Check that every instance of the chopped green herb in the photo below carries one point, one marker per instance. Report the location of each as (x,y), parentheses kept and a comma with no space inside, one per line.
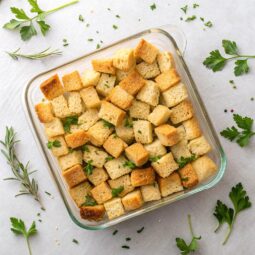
(129,164)
(90,39)
(231,81)
(75,241)
(65,43)
(106,85)
(39,220)
(85,148)
(109,158)
(128,123)
(140,230)
(185,179)
(153,7)
(70,150)
(98,46)
(115,232)
(87,25)
(54,143)
(115,27)
(117,16)
(182,161)
(155,158)
(101,41)
(108,9)
(252,98)
(68,121)
(184,8)
(117,191)
(195,6)
(89,201)
(193,17)
(89,168)
(125,247)
(128,239)
(108,124)
(38,214)
(202,19)
(208,24)
(47,193)
(81,18)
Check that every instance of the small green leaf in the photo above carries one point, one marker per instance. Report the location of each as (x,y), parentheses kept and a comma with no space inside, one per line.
(230,133)
(129,164)
(89,201)
(191,18)
(89,168)
(13,24)
(32,230)
(35,8)
(241,67)
(27,32)
(117,191)
(230,47)
(19,13)
(208,24)
(184,8)
(107,124)
(43,26)
(243,122)
(215,61)
(153,7)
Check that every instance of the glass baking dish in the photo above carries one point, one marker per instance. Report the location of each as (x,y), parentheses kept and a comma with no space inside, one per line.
(168,38)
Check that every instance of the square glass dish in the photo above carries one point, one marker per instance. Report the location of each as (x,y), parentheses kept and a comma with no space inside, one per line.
(167,38)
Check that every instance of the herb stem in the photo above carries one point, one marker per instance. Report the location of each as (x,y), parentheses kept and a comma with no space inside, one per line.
(28,246)
(60,7)
(190,225)
(240,56)
(230,229)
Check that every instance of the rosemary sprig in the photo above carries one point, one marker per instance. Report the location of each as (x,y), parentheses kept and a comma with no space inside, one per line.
(39,55)
(20,171)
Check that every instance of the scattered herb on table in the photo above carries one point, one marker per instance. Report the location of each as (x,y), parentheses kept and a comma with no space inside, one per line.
(19,228)
(55,143)
(202,19)
(98,46)
(81,18)
(68,121)
(88,168)
(25,24)
(140,230)
(153,7)
(125,247)
(182,161)
(89,201)
(192,246)
(191,18)
(155,158)
(47,193)
(195,6)
(115,232)
(208,24)
(228,215)
(75,241)
(129,164)
(241,137)
(108,124)
(184,8)
(115,27)
(117,16)
(65,42)
(117,191)
(90,40)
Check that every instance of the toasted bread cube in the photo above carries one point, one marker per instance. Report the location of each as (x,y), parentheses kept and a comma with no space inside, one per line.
(143,131)
(77,139)
(199,146)
(133,82)
(114,208)
(192,129)
(72,81)
(146,51)
(90,97)
(60,107)
(123,181)
(165,165)
(181,132)
(125,131)
(165,61)
(189,176)
(103,66)
(170,185)
(150,192)
(159,115)
(71,159)
(88,119)
(98,176)
(44,112)
(155,148)
(149,93)
(92,213)
(137,154)
(116,167)
(62,149)
(114,145)
(74,175)
(75,103)
(111,113)
(133,200)
(124,59)
(74,128)
(140,177)
(167,134)
(101,193)
(175,95)
(120,75)
(148,71)
(120,98)
(204,167)
(167,79)
(181,112)
(52,87)
(181,149)
(139,110)
(90,78)
(54,128)
(95,156)
(105,84)
(79,193)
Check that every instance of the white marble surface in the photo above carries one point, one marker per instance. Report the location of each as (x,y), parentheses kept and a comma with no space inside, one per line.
(232,20)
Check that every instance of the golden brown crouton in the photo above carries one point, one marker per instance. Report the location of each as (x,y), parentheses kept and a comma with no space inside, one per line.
(77,139)
(75,103)
(159,115)
(70,160)
(103,66)
(60,107)
(167,134)
(139,110)
(94,213)
(189,176)
(79,193)
(90,97)
(101,193)
(96,156)
(125,130)
(123,181)
(90,78)
(114,208)
(155,148)
(199,146)
(98,176)
(61,148)
(106,84)
(140,177)
(133,200)
(44,112)
(124,59)
(54,128)
(137,154)
(181,149)
(143,131)
(192,128)
(167,79)
(148,71)
(150,192)
(72,81)
(181,112)
(165,61)
(88,118)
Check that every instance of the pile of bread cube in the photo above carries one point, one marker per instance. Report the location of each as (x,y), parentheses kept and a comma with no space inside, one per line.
(135,124)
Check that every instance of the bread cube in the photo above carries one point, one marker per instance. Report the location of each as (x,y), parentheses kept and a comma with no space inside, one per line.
(54,128)
(44,112)
(98,176)
(101,193)
(60,107)
(181,149)
(88,119)
(114,208)
(170,185)
(132,83)
(120,75)
(167,134)
(175,95)
(192,129)
(165,61)
(181,132)
(125,131)
(132,200)
(119,97)
(79,193)
(74,128)
(159,115)
(90,97)
(75,103)
(105,84)
(155,148)
(204,167)
(189,176)
(103,66)
(181,112)
(74,175)
(116,167)
(149,93)
(114,145)
(167,79)
(95,156)
(72,81)
(77,139)
(124,59)
(139,110)
(143,131)
(140,177)
(90,78)
(148,71)
(165,165)
(150,192)
(71,159)
(199,146)
(137,154)
(52,87)
(111,113)
(62,149)
(92,213)
(123,181)
(146,51)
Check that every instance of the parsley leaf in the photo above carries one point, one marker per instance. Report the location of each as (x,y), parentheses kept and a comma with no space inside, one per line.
(195,5)
(43,26)
(155,158)
(26,32)
(128,123)
(117,191)
(184,8)
(241,67)
(89,201)
(107,124)
(55,143)
(13,24)
(19,13)
(35,8)
(129,164)
(81,18)
(68,121)
(89,168)
(109,158)
(85,148)
(230,47)
(182,161)
(208,24)
(193,17)
(215,61)
(153,7)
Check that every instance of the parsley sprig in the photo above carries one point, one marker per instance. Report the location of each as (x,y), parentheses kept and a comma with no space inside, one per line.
(68,121)
(129,164)
(117,191)
(182,161)
(216,61)
(55,143)
(228,215)
(89,168)
(89,201)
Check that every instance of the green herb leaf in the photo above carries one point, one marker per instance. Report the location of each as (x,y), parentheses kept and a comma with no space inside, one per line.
(195,5)
(90,201)
(55,143)
(109,158)
(35,8)
(117,191)
(140,230)
(155,158)
(128,123)
(129,164)
(182,162)
(85,148)
(19,13)
(191,18)
(208,24)
(230,47)
(241,67)
(75,241)
(215,61)
(115,27)
(107,124)
(184,8)
(68,121)
(153,7)
(13,24)
(43,26)
(26,32)
(230,133)
(89,168)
